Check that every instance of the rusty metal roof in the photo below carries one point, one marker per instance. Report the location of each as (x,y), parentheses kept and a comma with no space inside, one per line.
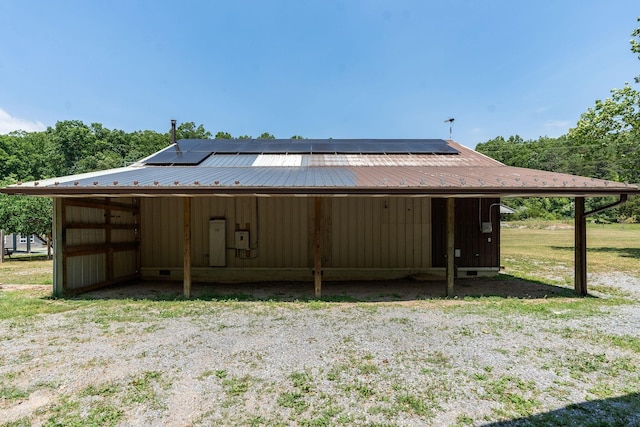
(467,173)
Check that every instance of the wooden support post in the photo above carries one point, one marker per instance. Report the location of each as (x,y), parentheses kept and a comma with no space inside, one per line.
(186,248)
(138,237)
(580,280)
(107,242)
(451,205)
(317,244)
(59,260)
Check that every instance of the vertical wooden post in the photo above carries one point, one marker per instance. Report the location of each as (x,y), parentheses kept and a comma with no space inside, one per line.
(59,275)
(107,242)
(138,237)
(451,206)
(580,280)
(186,248)
(317,244)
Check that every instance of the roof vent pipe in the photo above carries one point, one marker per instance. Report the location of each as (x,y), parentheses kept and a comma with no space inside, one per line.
(173,131)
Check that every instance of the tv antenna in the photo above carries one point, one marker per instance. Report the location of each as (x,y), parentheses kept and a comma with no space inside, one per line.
(450,120)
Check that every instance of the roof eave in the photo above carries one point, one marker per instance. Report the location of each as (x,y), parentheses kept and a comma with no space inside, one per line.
(312,191)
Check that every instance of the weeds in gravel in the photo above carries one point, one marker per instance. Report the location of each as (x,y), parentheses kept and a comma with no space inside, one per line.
(12,393)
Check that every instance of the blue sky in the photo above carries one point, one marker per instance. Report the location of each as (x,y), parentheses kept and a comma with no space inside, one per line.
(317,68)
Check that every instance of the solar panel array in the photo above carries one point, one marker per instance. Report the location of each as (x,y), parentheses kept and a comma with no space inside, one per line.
(194,151)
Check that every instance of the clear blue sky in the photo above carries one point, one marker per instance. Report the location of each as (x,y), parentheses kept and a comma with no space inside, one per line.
(317,68)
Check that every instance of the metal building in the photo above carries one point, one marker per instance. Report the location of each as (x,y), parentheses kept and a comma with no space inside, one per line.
(256,210)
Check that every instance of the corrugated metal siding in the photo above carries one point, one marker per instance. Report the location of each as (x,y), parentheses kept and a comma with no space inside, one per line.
(90,269)
(379,233)
(161,238)
(86,270)
(357,232)
(281,239)
(475,248)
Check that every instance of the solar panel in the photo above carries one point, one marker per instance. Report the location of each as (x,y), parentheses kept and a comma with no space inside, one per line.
(194,151)
(176,156)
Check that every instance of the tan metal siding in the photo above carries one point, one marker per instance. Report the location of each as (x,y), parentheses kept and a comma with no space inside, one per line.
(284,232)
(162,232)
(281,239)
(385,232)
(85,270)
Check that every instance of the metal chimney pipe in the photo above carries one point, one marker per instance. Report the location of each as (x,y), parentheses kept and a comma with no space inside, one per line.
(173,131)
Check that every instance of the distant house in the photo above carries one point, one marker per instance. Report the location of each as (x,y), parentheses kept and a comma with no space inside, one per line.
(20,243)
(317,210)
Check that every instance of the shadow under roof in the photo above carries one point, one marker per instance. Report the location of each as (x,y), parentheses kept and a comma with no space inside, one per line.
(194,151)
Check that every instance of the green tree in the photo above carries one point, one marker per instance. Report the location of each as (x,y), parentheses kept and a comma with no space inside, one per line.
(223,135)
(189,130)
(635,45)
(26,215)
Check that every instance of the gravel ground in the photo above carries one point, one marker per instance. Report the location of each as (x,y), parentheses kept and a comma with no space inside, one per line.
(392,354)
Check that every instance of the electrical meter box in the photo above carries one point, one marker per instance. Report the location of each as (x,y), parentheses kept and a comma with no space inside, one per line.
(242,240)
(486,227)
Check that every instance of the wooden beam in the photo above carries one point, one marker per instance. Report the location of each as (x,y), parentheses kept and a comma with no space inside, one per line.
(102,284)
(100,204)
(99,248)
(317,245)
(580,280)
(186,247)
(451,206)
(79,226)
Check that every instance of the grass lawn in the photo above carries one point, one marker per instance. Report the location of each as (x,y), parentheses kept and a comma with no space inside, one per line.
(546,250)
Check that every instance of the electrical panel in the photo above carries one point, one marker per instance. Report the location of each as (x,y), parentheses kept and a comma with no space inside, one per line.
(217,242)
(242,240)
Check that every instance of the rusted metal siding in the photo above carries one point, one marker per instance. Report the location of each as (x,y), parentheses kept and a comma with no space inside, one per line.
(477,249)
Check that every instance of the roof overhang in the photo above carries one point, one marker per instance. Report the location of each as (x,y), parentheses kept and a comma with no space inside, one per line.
(466,174)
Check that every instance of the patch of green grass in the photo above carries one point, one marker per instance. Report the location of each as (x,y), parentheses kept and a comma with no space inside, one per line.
(142,388)
(463,420)
(543,252)
(12,393)
(21,304)
(69,412)
(235,387)
(21,422)
(553,308)
(414,404)
(104,390)
(361,389)
(302,381)
(26,271)
(515,395)
(293,400)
